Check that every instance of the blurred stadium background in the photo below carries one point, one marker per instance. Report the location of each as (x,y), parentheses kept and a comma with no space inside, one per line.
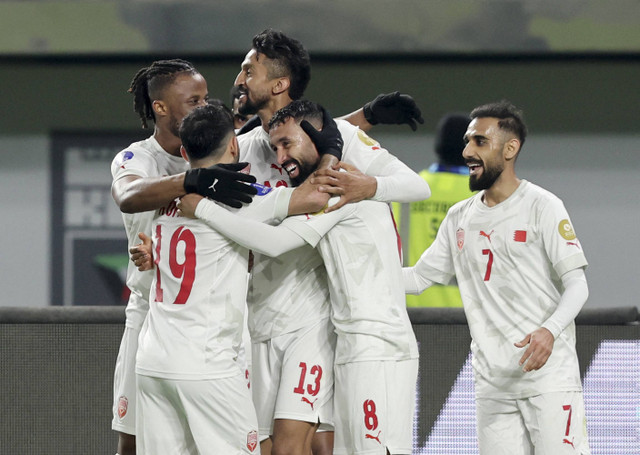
(572,66)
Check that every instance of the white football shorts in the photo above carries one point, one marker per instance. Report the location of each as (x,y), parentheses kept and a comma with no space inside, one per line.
(292,377)
(202,417)
(374,405)
(547,424)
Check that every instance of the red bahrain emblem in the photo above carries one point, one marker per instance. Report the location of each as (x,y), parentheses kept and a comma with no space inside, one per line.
(460,238)
(123,404)
(252,440)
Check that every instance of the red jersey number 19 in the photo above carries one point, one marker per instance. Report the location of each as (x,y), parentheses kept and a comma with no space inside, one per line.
(184,271)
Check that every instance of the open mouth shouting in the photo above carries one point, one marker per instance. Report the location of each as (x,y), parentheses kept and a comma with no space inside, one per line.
(475,167)
(292,168)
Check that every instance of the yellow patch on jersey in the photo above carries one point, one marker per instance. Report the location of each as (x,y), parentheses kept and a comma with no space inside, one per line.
(366,139)
(321,211)
(566,231)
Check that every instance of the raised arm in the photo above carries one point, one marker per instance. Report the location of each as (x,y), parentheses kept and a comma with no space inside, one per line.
(377,175)
(391,108)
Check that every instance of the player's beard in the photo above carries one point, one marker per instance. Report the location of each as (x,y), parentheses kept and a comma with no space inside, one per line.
(488,177)
(251,107)
(174,125)
(304,171)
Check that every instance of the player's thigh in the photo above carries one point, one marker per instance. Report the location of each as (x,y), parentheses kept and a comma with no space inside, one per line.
(162,427)
(305,392)
(500,428)
(401,397)
(556,423)
(265,380)
(220,415)
(373,406)
(292,436)
(124,384)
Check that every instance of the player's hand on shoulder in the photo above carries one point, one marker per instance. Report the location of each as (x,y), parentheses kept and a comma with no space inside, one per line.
(393,109)
(187,204)
(539,344)
(351,186)
(328,140)
(225,183)
(307,199)
(142,253)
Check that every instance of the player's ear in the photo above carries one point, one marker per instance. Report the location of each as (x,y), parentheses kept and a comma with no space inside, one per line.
(234,148)
(159,108)
(183,152)
(511,149)
(282,85)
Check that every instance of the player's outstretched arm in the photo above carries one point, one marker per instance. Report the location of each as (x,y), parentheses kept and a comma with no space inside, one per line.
(391,108)
(259,237)
(223,183)
(135,194)
(393,182)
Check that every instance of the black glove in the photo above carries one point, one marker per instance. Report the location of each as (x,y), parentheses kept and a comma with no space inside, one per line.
(328,140)
(222,183)
(393,109)
(251,124)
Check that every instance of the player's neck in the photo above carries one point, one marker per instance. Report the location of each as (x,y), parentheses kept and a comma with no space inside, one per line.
(274,105)
(502,188)
(167,140)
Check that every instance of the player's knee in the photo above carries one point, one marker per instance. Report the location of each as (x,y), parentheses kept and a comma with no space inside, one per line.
(284,446)
(322,443)
(126,444)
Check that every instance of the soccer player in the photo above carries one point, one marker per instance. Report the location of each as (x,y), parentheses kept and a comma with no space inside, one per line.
(147,175)
(192,394)
(288,297)
(520,269)
(376,357)
(448,179)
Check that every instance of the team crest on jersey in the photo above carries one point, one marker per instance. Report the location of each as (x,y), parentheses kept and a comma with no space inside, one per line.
(252,440)
(262,189)
(460,238)
(123,405)
(367,140)
(566,231)
(124,157)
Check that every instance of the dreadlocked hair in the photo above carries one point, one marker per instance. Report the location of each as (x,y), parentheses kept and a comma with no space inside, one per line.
(149,82)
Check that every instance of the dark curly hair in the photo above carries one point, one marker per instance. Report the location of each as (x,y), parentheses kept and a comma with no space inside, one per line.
(149,82)
(289,58)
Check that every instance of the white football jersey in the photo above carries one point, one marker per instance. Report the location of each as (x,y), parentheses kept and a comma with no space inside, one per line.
(508,260)
(361,251)
(291,291)
(197,301)
(144,159)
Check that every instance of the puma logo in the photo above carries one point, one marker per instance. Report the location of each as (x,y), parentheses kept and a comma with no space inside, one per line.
(306,400)
(376,437)
(277,168)
(488,236)
(574,244)
(566,441)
